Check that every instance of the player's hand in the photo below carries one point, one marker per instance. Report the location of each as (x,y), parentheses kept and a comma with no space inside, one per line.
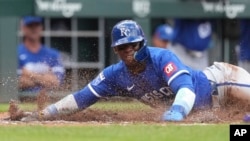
(26,72)
(45,114)
(31,116)
(36,116)
(174,114)
(31,75)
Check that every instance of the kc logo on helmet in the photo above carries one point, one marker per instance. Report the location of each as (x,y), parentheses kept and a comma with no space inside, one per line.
(124,31)
(169,69)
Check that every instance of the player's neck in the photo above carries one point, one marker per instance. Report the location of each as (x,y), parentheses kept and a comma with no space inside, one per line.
(137,68)
(32,45)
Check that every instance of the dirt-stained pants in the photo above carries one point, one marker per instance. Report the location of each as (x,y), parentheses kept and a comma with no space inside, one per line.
(231,81)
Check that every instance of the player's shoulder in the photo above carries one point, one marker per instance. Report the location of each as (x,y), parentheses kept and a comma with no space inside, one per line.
(21,48)
(156,52)
(114,69)
(51,51)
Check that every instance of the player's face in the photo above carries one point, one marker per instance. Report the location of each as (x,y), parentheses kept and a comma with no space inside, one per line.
(32,31)
(32,34)
(126,52)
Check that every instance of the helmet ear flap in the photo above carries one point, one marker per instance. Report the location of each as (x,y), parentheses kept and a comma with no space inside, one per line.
(142,54)
(141,43)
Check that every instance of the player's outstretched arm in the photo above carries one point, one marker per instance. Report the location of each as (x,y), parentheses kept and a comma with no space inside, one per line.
(184,99)
(67,105)
(182,105)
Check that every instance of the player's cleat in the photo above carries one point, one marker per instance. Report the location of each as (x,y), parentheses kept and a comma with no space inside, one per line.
(247,118)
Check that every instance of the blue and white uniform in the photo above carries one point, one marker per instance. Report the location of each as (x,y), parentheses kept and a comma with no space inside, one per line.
(163,77)
(44,61)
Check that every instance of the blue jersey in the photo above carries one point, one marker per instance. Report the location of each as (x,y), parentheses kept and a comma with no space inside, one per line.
(193,34)
(244,40)
(47,59)
(156,85)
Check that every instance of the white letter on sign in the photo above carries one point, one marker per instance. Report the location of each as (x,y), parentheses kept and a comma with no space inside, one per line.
(239,132)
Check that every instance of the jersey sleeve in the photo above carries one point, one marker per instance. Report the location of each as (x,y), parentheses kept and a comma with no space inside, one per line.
(104,84)
(171,67)
(19,60)
(175,73)
(101,86)
(19,67)
(57,67)
(85,98)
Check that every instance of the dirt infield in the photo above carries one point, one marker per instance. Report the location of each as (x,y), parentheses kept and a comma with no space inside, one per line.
(231,112)
(208,116)
(225,115)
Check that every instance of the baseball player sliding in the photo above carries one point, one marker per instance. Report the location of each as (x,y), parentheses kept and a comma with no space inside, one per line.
(153,76)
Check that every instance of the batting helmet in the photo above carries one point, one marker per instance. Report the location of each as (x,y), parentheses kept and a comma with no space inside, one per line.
(128,31)
(164,32)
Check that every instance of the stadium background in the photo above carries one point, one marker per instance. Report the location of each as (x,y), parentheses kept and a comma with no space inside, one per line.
(81,30)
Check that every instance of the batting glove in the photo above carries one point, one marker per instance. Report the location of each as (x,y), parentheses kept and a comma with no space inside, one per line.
(33,116)
(41,115)
(176,113)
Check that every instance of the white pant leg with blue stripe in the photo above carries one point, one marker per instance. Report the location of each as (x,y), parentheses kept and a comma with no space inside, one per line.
(231,81)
